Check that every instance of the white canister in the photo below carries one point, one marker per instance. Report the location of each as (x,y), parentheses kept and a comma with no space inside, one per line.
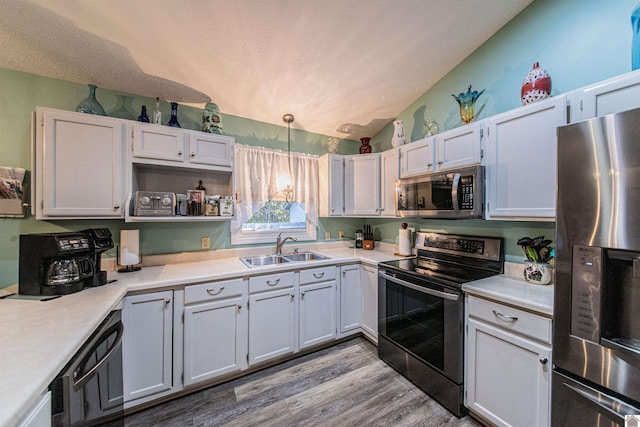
(538,273)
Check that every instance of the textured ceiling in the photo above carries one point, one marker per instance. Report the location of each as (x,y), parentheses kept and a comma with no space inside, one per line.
(344,68)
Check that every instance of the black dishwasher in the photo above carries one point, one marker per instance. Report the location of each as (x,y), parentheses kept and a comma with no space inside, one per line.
(88,391)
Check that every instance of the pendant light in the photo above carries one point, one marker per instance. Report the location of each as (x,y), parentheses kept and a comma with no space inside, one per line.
(289,190)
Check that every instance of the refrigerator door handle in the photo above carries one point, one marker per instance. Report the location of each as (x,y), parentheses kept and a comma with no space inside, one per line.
(610,407)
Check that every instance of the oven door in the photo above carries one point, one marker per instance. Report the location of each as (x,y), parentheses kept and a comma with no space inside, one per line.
(424,319)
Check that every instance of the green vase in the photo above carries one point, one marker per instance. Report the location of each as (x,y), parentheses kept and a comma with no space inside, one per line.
(91,105)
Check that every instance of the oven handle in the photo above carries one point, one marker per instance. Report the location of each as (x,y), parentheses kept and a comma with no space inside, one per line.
(444,295)
(454,193)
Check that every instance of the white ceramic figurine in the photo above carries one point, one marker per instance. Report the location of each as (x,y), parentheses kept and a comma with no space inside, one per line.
(398,134)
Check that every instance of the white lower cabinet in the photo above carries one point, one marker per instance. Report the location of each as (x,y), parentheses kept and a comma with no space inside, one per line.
(40,413)
(350,300)
(272,316)
(508,364)
(147,346)
(215,330)
(369,286)
(317,306)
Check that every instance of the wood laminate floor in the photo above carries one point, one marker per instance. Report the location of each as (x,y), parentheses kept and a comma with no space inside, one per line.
(344,385)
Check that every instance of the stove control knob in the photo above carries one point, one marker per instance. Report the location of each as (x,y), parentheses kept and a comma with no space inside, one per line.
(145,200)
(166,201)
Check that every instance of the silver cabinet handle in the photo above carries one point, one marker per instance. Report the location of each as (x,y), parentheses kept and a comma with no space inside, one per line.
(179,153)
(239,307)
(215,291)
(344,273)
(270,283)
(167,301)
(292,297)
(440,162)
(499,315)
(429,165)
(318,275)
(193,154)
(302,294)
(544,360)
(116,206)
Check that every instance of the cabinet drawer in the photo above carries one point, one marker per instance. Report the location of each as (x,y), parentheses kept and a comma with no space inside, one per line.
(270,282)
(212,291)
(321,274)
(511,319)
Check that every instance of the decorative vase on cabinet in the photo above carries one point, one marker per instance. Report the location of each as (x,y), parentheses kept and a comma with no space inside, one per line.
(536,85)
(467,102)
(173,121)
(365,148)
(90,104)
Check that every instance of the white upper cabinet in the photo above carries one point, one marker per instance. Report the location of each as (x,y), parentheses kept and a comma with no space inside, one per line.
(362,184)
(459,147)
(521,161)
(171,146)
(390,169)
(331,185)
(79,165)
(620,93)
(416,158)
(210,149)
(158,142)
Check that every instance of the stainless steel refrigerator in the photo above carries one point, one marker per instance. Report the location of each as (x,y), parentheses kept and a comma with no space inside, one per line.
(596,320)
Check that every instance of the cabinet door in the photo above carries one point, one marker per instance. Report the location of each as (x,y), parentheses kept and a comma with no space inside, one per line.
(317,313)
(362,184)
(158,142)
(79,161)
(507,377)
(350,300)
(416,158)
(331,185)
(390,166)
(210,149)
(369,284)
(272,325)
(214,339)
(459,147)
(147,344)
(620,93)
(521,161)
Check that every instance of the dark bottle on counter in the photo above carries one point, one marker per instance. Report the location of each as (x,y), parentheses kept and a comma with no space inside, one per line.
(173,121)
(143,115)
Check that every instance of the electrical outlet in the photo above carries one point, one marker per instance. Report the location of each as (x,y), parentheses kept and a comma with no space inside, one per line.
(205,242)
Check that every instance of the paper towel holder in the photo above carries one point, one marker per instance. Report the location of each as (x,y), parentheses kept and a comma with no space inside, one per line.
(127,268)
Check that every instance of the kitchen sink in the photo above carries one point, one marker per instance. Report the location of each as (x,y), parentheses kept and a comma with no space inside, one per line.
(258,261)
(304,256)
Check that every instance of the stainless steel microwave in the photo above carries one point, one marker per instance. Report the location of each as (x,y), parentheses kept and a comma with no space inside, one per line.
(457,193)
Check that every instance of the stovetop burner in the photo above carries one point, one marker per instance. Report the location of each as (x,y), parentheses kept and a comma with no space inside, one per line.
(453,259)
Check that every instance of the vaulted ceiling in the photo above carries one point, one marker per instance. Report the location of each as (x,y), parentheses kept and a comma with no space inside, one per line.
(343,68)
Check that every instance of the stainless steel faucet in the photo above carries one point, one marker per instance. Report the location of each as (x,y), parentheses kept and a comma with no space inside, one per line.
(280,242)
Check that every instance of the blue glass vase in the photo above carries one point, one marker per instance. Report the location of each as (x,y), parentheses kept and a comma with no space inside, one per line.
(173,121)
(91,105)
(467,103)
(143,115)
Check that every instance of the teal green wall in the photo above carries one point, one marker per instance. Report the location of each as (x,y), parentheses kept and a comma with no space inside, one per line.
(578,42)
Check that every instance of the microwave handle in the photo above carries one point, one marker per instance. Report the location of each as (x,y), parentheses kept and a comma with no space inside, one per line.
(454,193)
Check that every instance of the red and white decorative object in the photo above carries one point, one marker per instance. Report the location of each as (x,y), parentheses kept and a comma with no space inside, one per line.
(536,86)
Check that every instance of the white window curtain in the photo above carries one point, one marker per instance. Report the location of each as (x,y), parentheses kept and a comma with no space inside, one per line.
(256,170)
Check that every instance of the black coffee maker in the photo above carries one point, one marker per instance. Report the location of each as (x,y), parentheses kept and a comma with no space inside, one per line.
(62,263)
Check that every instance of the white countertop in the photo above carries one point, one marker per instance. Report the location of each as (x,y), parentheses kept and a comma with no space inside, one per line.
(537,298)
(39,337)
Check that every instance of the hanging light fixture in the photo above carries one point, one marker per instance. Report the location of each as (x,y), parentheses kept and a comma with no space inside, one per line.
(288,189)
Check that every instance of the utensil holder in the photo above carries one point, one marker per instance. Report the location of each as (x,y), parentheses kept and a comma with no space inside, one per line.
(368,245)
(537,273)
